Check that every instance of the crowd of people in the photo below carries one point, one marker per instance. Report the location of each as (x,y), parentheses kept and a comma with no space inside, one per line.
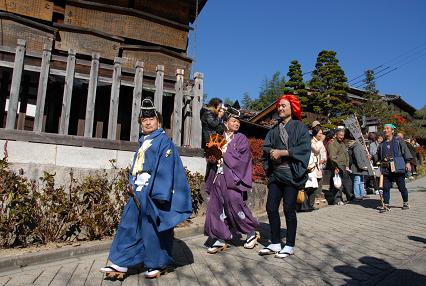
(294,158)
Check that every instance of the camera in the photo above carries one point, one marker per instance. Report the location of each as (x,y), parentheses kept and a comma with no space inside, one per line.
(224,107)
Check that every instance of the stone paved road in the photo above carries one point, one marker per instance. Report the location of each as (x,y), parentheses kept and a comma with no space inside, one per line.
(337,245)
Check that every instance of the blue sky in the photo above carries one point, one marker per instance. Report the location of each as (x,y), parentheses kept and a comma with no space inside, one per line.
(240,43)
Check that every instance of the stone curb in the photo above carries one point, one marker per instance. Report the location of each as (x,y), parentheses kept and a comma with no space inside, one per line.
(52,255)
(23,260)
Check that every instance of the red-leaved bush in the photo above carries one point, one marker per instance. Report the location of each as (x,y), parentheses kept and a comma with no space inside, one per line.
(256,146)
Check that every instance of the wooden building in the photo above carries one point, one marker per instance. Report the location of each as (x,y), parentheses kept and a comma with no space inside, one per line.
(269,115)
(77,67)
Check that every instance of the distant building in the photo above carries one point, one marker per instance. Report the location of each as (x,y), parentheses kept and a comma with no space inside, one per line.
(268,116)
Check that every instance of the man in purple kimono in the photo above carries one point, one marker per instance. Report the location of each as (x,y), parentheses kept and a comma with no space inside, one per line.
(226,183)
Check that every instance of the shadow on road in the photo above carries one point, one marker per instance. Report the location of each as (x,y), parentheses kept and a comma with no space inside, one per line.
(416,238)
(181,254)
(371,203)
(391,276)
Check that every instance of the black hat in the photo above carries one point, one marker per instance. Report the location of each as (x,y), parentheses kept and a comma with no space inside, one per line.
(231,112)
(148,109)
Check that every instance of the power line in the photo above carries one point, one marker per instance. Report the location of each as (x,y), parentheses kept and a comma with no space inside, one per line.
(394,61)
(397,67)
(363,74)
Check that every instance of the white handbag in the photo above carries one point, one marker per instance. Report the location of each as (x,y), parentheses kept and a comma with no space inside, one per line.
(337,181)
(312,181)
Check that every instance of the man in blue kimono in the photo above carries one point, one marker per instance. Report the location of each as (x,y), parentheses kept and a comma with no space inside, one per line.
(394,157)
(161,199)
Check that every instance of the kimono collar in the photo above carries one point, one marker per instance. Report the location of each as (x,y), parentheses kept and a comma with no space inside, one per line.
(151,135)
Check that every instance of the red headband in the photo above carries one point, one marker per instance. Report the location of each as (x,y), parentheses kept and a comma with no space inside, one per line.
(296,110)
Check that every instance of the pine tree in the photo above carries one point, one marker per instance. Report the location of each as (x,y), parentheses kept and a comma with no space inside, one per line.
(328,86)
(228,101)
(419,123)
(295,83)
(247,101)
(375,106)
(370,82)
(270,90)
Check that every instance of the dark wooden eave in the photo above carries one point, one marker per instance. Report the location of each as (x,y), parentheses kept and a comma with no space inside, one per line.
(263,113)
(72,28)
(398,101)
(193,10)
(128,11)
(27,22)
(157,49)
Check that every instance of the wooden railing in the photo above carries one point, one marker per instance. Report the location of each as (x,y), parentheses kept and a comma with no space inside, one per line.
(186,124)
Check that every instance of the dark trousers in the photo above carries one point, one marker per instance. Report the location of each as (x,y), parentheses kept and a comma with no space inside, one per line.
(399,178)
(346,186)
(278,191)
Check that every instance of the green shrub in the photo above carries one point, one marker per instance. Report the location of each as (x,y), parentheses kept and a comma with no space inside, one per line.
(90,209)
(17,207)
(421,169)
(54,211)
(195,181)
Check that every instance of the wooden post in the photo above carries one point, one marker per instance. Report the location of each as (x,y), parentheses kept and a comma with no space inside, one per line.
(177,111)
(42,87)
(159,82)
(197,103)
(66,100)
(80,127)
(187,116)
(91,96)
(16,84)
(4,89)
(99,129)
(22,115)
(115,96)
(136,104)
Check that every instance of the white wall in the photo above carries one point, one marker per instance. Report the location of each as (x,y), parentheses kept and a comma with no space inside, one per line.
(40,156)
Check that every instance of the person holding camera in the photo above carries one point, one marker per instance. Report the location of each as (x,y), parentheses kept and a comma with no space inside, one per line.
(394,157)
(211,120)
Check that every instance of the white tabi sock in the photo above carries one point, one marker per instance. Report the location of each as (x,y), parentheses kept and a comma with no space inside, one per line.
(118,268)
(287,249)
(219,242)
(275,246)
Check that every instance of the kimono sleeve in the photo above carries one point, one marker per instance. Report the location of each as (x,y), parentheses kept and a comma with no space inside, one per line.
(238,164)
(267,146)
(162,181)
(405,152)
(301,150)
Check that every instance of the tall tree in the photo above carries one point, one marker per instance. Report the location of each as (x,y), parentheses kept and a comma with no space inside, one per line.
(370,82)
(228,101)
(328,86)
(270,90)
(375,106)
(247,101)
(419,124)
(295,83)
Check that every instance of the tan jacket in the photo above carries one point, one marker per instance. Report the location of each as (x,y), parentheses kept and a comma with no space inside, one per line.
(338,155)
